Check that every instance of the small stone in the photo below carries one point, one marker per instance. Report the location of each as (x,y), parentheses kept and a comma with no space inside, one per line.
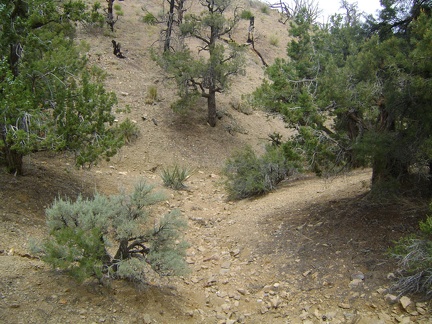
(147,319)
(405,302)
(344,305)
(385,317)
(264,309)
(357,275)
(391,276)
(15,305)
(421,310)
(391,299)
(405,320)
(221,294)
(306,273)
(226,307)
(210,282)
(242,291)
(235,252)
(304,315)
(275,302)
(226,265)
(355,283)
(236,297)
(190,261)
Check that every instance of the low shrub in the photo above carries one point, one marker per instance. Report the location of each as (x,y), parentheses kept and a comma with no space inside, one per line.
(274,41)
(152,95)
(249,175)
(414,255)
(174,177)
(128,131)
(114,237)
(246,14)
(149,19)
(118,10)
(265,9)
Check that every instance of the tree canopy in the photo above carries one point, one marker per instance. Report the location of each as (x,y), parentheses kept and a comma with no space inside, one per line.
(50,98)
(356,90)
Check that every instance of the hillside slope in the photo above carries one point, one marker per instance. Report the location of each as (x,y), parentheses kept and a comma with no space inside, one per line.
(314,251)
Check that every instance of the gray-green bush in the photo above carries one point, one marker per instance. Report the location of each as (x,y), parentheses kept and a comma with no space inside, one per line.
(251,175)
(114,237)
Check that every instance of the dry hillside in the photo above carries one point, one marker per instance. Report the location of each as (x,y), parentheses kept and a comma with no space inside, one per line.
(314,251)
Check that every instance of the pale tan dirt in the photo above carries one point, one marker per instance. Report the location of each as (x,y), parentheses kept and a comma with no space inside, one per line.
(287,257)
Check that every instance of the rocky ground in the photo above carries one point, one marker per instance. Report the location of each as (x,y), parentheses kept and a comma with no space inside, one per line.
(314,251)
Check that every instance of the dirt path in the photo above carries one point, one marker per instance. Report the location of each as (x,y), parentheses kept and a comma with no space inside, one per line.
(288,257)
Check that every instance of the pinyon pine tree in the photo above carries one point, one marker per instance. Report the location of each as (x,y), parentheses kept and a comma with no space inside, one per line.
(49,98)
(210,73)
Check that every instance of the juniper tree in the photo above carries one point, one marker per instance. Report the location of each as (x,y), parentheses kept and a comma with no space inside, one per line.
(357,93)
(114,236)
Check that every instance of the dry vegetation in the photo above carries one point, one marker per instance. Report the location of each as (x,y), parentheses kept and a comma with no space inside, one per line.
(289,257)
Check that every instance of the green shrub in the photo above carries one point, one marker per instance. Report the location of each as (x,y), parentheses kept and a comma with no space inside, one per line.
(246,14)
(274,41)
(265,9)
(414,255)
(152,95)
(114,237)
(128,131)
(118,10)
(249,175)
(174,177)
(149,19)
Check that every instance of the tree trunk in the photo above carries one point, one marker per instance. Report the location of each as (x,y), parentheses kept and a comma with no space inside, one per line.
(110,15)
(14,160)
(167,43)
(389,169)
(123,251)
(211,102)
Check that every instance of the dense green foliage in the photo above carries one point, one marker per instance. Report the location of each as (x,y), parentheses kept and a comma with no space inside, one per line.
(358,92)
(49,98)
(250,175)
(414,255)
(114,237)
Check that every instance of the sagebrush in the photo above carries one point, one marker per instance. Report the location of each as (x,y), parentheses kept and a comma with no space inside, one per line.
(110,237)
(251,175)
